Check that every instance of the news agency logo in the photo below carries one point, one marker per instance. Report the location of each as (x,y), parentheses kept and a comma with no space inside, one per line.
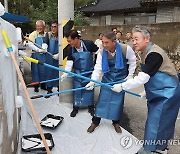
(126,142)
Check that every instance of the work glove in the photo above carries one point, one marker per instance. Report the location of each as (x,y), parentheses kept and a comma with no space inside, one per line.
(129,77)
(41,50)
(64,76)
(56,56)
(90,86)
(117,88)
(44,46)
(143,95)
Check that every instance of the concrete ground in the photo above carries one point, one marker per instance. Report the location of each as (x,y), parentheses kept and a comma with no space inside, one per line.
(134,117)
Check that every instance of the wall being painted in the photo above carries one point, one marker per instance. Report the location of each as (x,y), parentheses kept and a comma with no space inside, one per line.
(8,94)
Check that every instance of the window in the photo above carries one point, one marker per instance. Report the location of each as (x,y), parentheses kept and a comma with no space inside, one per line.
(127,20)
(151,19)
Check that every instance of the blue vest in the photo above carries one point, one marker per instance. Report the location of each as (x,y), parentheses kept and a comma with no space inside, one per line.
(38,71)
(50,73)
(83,62)
(110,104)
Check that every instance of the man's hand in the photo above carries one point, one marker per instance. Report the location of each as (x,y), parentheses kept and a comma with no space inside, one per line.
(117,88)
(64,76)
(56,56)
(41,51)
(90,86)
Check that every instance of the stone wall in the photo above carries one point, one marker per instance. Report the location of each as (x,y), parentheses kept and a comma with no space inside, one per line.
(166,35)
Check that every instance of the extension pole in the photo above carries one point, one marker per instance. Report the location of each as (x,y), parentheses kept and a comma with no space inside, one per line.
(27,38)
(9,47)
(77,75)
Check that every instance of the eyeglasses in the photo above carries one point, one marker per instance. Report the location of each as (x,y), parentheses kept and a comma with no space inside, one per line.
(53,26)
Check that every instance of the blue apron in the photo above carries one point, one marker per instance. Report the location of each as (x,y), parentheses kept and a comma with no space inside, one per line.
(163,95)
(38,71)
(83,62)
(163,102)
(110,104)
(50,73)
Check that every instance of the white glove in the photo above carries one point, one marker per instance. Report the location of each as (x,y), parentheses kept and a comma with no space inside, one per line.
(41,50)
(44,46)
(56,56)
(143,95)
(129,77)
(117,88)
(64,76)
(90,86)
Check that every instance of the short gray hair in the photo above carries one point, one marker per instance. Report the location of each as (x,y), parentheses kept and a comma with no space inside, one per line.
(110,35)
(41,21)
(143,30)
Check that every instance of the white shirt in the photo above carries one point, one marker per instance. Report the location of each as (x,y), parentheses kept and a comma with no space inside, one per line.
(131,60)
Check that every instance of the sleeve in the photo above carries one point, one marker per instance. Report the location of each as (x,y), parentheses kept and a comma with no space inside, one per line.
(152,63)
(32,46)
(97,72)
(130,56)
(69,65)
(68,50)
(137,81)
(32,36)
(93,46)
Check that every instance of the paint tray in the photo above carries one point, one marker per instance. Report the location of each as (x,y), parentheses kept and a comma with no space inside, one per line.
(35,143)
(51,121)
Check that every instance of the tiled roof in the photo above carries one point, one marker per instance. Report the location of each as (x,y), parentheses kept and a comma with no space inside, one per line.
(110,5)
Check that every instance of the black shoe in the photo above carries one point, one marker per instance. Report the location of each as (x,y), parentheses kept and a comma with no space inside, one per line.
(43,86)
(91,110)
(73,113)
(36,89)
(48,93)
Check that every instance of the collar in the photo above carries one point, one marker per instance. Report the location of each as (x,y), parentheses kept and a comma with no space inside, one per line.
(81,48)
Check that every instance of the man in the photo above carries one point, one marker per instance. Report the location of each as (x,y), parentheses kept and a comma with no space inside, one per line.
(118,37)
(128,40)
(40,37)
(98,42)
(80,58)
(162,91)
(53,49)
(113,62)
(114,30)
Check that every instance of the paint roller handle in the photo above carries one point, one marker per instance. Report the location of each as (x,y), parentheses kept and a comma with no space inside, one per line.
(33,84)
(38,96)
(27,38)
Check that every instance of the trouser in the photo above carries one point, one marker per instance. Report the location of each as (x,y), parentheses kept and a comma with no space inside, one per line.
(77,108)
(96,120)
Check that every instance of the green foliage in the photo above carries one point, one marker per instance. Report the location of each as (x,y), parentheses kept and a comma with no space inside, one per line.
(79,3)
(79,19)
(46,10)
